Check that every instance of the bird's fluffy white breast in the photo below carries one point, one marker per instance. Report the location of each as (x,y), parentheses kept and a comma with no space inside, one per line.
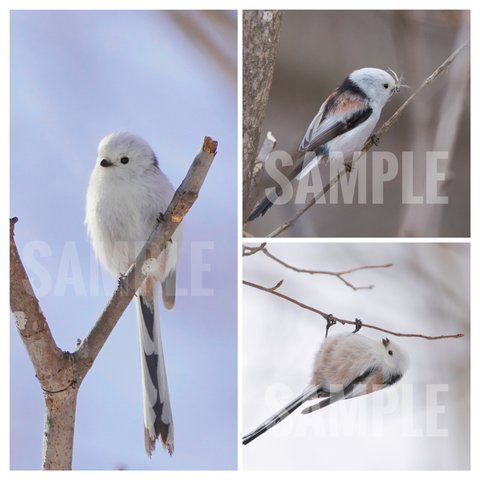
(121,214)
(342,358)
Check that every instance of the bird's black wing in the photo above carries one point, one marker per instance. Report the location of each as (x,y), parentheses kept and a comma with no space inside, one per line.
(340,395)
(328,130)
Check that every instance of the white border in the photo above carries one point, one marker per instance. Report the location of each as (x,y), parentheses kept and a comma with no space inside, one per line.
(7,5)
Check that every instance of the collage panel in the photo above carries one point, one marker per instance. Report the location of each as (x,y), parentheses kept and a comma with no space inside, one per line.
(320,88)
(356,356)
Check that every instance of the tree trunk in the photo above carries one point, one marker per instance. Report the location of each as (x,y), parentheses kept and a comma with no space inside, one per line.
(261,32)
(59,428)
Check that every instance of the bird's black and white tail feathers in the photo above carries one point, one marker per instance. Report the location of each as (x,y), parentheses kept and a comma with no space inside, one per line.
(310,392)
(158,419)
(264,205)
(308,160)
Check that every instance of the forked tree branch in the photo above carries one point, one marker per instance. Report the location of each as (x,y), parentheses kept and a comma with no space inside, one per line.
(61,373)
(369,144)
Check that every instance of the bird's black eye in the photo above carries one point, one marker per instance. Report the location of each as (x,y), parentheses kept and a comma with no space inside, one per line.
(124,160)
(385,85)
(390,352)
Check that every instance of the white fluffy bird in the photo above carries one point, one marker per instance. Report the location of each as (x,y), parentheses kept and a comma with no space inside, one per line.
(341,127)
(126,195)
(346,366)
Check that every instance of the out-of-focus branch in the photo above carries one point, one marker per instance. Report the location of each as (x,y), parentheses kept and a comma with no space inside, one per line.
(198,26)
(426,220)
(247,251)
(329,317)
(261,31)
(369,144)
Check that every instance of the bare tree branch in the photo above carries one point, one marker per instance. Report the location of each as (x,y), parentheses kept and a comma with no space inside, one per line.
(339,275)
(330,317)
(61,373)
(368,145)
(53,368)
(261,31)
(32,325)
(247,251)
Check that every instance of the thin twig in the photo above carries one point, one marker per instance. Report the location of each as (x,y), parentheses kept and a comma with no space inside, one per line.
(339,275)
(276,287)
(247,251)
(369,144)
(330,317)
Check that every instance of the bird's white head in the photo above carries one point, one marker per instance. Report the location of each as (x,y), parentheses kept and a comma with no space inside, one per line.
(125,154)
(377,84)
(394,357)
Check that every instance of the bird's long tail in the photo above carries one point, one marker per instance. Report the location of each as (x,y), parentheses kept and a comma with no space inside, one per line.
(309,161)
(265,204)
(325,403)
(310,392)
(158,419)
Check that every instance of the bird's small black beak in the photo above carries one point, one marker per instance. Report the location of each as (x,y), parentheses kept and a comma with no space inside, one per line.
(106,163)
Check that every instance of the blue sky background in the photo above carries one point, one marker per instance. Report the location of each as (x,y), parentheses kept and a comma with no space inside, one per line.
(76,76)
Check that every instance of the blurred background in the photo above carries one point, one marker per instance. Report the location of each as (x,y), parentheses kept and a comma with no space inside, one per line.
(406,426)
(169,77)
(317,50)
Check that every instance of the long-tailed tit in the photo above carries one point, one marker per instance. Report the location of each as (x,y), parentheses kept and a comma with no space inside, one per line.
(126,195)
(346,366)
(341,127)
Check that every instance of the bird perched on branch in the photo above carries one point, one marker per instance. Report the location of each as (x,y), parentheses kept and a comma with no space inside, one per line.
(341,127)
(346,366)
(126,197)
